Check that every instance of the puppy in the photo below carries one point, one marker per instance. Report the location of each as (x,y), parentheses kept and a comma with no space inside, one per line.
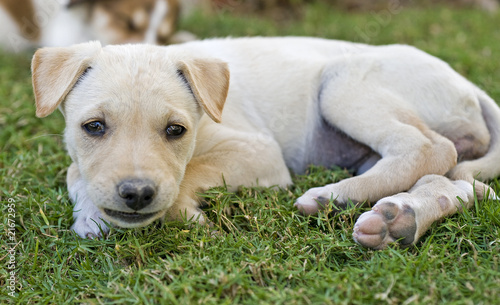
(147,127)
(30,23)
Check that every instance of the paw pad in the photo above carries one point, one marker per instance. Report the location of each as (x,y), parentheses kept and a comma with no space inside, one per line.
(387,222)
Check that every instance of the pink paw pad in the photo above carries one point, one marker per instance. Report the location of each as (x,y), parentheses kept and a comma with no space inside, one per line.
(384,224)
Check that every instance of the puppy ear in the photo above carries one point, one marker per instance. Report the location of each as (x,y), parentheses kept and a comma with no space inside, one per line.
(56,70)
(209,82)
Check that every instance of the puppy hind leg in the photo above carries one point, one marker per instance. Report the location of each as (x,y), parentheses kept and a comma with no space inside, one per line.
(405,217)
(406,156)
(387,123)
(487,166)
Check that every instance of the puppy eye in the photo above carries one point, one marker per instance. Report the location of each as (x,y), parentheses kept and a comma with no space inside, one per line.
(131,25)
(94,128)
(175,131)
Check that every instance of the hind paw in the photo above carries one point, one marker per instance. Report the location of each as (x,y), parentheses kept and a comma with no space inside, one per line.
(387,222)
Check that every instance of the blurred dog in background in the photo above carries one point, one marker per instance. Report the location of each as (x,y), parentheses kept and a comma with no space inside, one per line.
(33,23)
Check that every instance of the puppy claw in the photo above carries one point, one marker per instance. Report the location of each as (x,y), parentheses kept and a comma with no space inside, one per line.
(386,223)
(92,236)
(493,196)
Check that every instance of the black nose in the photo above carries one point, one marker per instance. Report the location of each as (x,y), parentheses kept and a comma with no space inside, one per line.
(137,193)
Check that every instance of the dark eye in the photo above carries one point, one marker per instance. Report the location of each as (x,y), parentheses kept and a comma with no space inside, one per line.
(175,131)
(95,128)
(131,25)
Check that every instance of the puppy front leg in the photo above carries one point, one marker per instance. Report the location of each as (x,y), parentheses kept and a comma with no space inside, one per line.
(88,219)
(405,217)
(256,160)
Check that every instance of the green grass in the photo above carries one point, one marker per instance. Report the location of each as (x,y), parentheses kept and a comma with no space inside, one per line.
(264,252)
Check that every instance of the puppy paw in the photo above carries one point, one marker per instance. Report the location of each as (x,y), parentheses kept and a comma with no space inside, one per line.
(90,226)
(316,199)
(387,222)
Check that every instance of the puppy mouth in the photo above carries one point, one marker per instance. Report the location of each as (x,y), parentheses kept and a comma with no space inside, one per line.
(130,217)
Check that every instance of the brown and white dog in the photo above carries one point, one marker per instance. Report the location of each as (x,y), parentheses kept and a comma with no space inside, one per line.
(148,127)
(31,23)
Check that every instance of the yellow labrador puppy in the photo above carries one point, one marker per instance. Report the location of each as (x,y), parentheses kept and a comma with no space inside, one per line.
(147,127)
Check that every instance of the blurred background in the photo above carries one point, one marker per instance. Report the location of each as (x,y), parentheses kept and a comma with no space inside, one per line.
(284,9)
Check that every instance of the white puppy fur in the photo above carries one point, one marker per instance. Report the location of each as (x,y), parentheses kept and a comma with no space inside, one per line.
(148,127)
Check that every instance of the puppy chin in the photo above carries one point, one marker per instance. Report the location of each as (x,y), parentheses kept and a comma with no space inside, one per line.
(130,220)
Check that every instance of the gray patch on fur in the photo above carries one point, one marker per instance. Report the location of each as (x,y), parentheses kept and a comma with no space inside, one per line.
(329,146)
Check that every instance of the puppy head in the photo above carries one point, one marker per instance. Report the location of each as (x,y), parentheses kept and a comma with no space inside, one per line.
(131,117)
(127,21)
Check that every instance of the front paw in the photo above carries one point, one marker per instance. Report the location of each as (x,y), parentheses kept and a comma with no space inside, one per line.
(317,199)
(90,225)
(186,209)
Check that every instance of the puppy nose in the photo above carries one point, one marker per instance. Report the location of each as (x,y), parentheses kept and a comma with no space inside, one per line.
(137,193)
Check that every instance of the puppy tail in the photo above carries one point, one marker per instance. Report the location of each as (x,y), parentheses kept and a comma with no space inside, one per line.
(488,166)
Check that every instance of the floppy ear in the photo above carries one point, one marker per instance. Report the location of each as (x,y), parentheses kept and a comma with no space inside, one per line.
(209,82)
(56,70)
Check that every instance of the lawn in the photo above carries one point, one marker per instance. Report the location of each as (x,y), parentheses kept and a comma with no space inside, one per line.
(264,251)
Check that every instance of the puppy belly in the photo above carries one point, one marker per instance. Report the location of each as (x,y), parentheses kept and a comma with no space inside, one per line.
(330,147)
